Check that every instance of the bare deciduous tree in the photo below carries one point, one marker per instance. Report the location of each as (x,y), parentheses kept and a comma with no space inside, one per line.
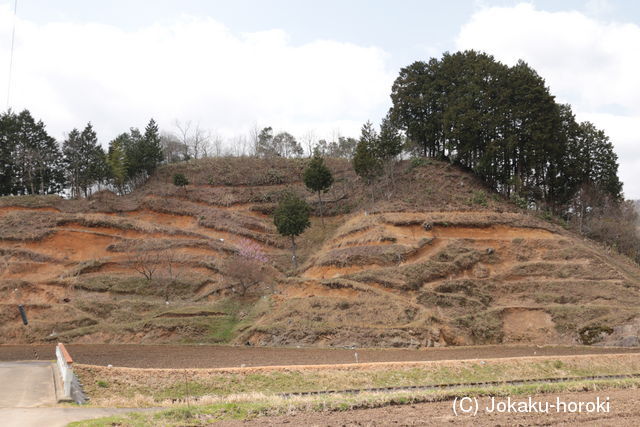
(145,262)
(171,270)
(309,140)
(247,270)
(195,139)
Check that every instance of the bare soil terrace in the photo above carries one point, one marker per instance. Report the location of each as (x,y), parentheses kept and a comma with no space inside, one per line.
(207,356)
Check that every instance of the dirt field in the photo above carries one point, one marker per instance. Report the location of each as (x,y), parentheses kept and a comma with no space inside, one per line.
(206,356)
(624,411)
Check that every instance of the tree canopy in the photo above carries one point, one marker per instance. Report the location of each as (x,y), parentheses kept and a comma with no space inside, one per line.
(30,159)
(318,178)
(291,218)
(502,123)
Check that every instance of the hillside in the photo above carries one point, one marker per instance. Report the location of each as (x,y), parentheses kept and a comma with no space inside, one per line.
(436,260)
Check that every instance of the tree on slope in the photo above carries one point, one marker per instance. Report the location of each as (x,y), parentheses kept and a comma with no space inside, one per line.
(35,160)
(291,218)
(117,161)
(317,177)
(366,161)
(84,160)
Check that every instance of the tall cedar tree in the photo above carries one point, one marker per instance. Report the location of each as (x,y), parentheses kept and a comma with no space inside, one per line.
(142,152)
(30,159)
(317,177)
(291,218)
(366,161)
(84,161)
(389,142)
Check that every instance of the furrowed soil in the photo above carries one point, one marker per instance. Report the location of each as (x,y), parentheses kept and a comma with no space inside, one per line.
(189,356)
(624,411)
(436,260)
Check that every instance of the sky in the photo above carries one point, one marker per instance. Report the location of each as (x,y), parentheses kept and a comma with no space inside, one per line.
(307,67)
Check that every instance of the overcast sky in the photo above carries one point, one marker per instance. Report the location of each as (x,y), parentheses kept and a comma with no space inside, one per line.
(301,65)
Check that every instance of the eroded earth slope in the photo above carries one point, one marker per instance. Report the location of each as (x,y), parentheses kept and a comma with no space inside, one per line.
(435,259)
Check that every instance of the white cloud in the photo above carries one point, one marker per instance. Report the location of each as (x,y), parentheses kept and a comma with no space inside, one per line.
(192,69)
(591,64)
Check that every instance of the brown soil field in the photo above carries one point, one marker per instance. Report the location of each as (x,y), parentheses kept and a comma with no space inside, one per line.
(624,411)
(206,356)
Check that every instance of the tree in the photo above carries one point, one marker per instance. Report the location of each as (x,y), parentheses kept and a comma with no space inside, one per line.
(389,142)
(179,180)
(264,146)
(150,149)
(84,161)
(173,150)
(281,145)
(31,159)
(502,123)
(117,161)
(291,218)
(195,140)
(285,145)
(317,177)
(366,161)
(247,269)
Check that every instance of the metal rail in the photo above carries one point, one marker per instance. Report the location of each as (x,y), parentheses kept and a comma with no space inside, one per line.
(461,385)
(450,386)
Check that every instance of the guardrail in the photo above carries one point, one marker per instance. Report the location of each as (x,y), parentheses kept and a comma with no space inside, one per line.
(65,367)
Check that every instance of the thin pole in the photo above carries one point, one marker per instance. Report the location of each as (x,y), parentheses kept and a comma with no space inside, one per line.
(13,38)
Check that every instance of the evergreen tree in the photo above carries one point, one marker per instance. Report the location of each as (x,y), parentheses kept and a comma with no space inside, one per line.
(389,142)
(291,218)
(179,180)
(151,148)
(366,161)
(117,161)
(37,161)
(502,123)
(84,160)
(8,132)
(317,177)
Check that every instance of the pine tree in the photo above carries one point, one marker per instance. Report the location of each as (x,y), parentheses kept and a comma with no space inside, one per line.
(317,177)
(291,218)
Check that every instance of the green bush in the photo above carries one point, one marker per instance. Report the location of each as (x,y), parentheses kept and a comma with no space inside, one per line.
(179,180)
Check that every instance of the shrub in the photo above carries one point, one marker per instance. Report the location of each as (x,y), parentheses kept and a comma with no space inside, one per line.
(179,180)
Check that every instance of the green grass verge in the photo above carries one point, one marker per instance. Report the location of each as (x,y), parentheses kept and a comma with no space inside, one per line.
(153,387)
(271,406)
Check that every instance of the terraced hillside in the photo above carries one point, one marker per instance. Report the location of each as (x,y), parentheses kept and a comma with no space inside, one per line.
(436,259)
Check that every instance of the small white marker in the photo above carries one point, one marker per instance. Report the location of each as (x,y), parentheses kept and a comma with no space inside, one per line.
(356,355)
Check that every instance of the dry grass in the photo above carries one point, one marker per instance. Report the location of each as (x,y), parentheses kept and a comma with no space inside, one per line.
(118,385)
(434,259)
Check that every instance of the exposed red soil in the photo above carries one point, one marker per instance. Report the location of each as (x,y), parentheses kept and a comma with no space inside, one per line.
(71,245)
(208,356)
(5,209)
